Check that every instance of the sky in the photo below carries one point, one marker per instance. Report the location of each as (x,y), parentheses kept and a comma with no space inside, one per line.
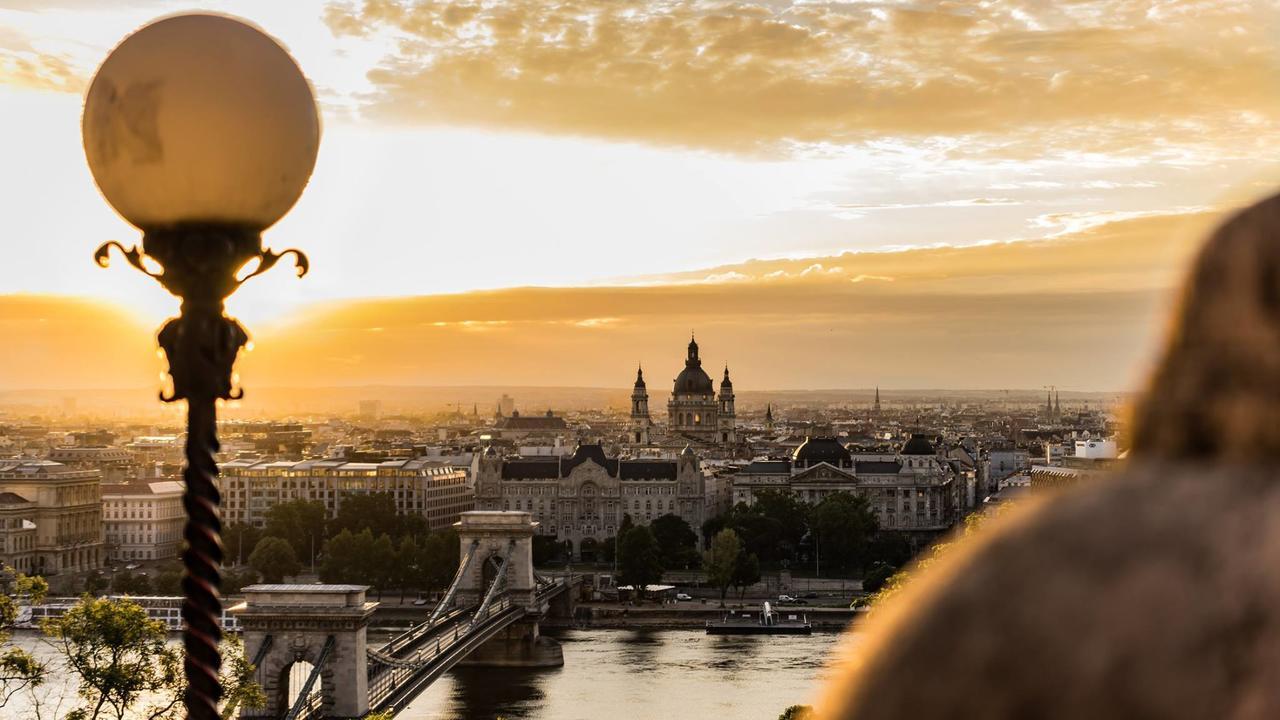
(909,194)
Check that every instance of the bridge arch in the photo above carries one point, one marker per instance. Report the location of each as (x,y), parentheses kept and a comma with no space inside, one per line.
(308,639)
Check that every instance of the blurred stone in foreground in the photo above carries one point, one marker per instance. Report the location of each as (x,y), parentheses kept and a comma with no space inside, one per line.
(1155,595)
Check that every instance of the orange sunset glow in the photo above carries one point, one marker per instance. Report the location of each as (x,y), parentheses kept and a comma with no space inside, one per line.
(998,194)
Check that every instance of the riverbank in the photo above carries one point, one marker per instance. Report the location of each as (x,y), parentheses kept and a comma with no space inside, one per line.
(685,615)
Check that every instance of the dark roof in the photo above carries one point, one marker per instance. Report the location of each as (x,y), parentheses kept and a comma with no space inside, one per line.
(726,382)
(640,379)
(646,470)
(545,422)
(822,449)
(531,469)
(918,445)
(878,467)
(583,453)
(767,467)
(8,498)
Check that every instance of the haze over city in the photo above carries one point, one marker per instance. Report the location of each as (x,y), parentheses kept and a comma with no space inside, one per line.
(831,195)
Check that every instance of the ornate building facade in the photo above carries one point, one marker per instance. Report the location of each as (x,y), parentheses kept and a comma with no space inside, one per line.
(694,411)
(582,498)
(914,490)
(64,505)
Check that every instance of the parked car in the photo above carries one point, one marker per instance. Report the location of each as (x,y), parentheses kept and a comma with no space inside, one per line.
(421,601)
(810,596)
(131,566)
(786,599)
(683,596)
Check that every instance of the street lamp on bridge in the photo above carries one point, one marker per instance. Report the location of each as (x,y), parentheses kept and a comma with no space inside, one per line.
(201,131)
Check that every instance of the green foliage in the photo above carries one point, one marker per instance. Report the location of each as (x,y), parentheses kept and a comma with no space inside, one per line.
(299,522)
(608,549)
(120,659)
(238,541)
(274,559)
(843,525)
(721,560)
(233,581)
(127,583)
(363,559)
(772,528)
(375,512)
(894,584)
(797,712)
(547,549)
(95,584)
(677,541)
(746,572)
(890,547)
(790,515)
(639,559)
(167,580)
(877,576)
(239,688)
(19,669)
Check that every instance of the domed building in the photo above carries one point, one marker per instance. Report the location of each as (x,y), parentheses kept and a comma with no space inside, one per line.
(694,411)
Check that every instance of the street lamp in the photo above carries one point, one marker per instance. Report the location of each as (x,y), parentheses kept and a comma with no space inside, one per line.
(201,131)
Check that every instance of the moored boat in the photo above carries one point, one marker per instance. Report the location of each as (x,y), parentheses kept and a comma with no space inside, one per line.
(766,622)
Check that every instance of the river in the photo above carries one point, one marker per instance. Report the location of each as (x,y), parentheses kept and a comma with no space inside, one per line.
(636,674)
(641,675)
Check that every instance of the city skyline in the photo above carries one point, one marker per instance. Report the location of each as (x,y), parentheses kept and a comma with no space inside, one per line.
(990,217)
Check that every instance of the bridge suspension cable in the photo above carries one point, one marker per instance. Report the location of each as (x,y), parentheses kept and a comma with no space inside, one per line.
(498,580)
(447,600)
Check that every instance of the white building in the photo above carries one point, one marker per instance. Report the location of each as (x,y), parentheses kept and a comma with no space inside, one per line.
(435,490)
(143,519)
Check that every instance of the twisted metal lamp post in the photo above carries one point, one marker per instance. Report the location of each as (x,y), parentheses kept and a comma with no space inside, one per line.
(201,131)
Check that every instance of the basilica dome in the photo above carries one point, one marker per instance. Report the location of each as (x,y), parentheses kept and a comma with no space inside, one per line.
(693,380)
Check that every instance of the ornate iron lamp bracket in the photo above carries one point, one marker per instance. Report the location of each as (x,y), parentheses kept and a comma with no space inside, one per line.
(200,263)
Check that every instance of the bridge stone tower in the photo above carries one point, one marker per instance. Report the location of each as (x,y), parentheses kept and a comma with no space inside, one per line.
(497,534)
(295,624)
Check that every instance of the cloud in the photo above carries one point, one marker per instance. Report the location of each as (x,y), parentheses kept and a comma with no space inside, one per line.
(1018,77)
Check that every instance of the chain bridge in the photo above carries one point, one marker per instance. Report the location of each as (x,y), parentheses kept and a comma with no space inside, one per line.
(308,642)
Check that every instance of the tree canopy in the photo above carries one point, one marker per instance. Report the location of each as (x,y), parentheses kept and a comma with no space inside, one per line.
(275,560)
(721,560)
(19,669)
(639,559)
(299,522)
(677,541)
(843,525)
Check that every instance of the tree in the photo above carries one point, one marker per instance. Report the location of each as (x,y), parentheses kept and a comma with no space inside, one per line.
(877,577)
(95,584)
(375,512)
(19,669)
(746,572)
(797,712)
(720,561)
(167,580)
(126,583)
(789,516)
(233,581)
(382,564)
(301,523)
(439,562)
(347,558)
(891,548)
(125,666)
(120,658)
(546,550)
(238,540)
(677,541)
(407,566)
(843,525)
(639,559)
(274,559)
